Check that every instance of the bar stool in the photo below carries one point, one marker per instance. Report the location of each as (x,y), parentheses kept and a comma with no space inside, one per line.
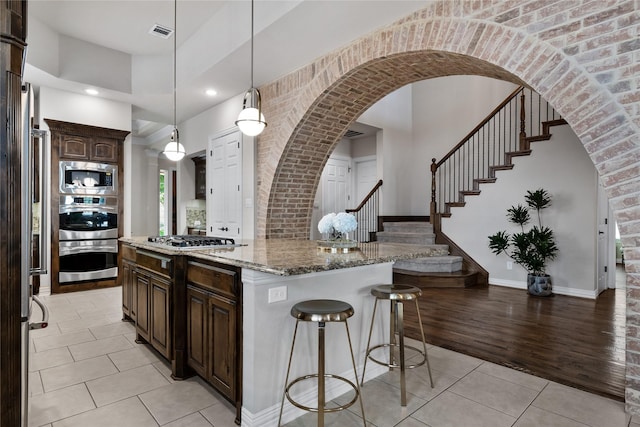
(397,294)
(321,311)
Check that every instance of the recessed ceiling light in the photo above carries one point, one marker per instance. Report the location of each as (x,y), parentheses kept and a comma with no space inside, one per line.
(91,91)
(211,92)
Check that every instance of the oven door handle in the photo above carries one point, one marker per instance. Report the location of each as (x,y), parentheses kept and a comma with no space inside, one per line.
(70,248)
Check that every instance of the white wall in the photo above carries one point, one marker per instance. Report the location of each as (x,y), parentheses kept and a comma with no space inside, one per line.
(363,147)
(394,149)
(422,121)
(93,111)
(563,168)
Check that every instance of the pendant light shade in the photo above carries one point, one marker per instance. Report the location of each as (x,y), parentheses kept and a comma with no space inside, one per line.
(251,120)
(174,150)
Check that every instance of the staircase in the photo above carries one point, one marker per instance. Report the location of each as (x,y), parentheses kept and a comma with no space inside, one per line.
(436,271)
(491,146)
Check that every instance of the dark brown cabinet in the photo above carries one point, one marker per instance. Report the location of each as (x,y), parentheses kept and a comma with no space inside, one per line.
(189,310)
(127,279)
(143,318)
(97,149)
(213,319)
(201,177)
(153,313)
(13,27)
(160,310)
(197,330)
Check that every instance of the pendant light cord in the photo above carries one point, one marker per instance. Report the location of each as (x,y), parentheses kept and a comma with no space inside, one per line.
(252,43)
(175,48)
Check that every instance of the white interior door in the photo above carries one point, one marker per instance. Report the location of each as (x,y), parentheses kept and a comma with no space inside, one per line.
(366,178)
(605,247)
(335,186)
(224,179)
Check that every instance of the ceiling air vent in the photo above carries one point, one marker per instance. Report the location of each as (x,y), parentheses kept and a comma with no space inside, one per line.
(352,134)
(161,31)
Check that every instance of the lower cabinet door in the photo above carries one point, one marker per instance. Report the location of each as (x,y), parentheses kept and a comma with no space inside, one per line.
(197,330)
(160,317)
(222,370)
(142,290)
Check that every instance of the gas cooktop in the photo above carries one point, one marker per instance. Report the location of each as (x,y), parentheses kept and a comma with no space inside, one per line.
(193,241)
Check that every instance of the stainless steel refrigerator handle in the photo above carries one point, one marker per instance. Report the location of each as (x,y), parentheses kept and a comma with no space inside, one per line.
(45,315)
(27,200)
(44,203)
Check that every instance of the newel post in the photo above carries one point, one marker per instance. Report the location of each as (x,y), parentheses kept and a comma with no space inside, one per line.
(523,133)
(433,206)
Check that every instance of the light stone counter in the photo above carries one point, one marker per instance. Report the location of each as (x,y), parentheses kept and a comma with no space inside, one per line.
(292,257)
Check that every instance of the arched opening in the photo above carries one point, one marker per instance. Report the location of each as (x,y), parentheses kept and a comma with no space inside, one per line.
(320,129)
(314,107)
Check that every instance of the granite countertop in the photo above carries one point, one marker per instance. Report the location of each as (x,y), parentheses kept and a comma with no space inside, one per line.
(291,257)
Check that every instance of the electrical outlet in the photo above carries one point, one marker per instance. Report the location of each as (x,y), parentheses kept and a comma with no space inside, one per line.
(277,294)
(509,265)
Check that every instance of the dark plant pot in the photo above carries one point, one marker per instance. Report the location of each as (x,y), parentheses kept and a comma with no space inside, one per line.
(539,286)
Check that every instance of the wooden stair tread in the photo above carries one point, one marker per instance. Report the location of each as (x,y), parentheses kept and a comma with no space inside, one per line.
(542,137)
(556,122)
(485,180)
(501,167)
(470,192)
(518,153)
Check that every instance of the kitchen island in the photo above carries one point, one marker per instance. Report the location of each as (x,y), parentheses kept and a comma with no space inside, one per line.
(224,313)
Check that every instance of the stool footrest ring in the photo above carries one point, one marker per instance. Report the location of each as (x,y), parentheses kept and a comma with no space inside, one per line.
(394,365)
(326,410)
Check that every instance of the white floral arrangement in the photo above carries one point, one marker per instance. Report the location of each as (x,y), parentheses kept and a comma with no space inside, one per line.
(334,225)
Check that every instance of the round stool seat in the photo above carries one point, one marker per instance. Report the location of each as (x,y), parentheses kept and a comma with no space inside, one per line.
(396,292)
(322,310)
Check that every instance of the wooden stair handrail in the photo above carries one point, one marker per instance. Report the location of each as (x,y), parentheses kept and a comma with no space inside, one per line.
(366,199)
(480,125)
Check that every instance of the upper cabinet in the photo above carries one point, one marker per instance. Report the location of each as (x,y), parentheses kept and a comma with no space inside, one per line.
(201,177)
(79,142)
(88,148)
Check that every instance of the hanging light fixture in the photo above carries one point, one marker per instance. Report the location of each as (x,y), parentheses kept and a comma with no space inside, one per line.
(251,120)
(174,150)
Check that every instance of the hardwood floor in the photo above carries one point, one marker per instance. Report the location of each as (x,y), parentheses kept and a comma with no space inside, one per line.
(574,341)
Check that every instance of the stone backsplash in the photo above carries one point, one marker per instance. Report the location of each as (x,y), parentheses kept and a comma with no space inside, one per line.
(196,217)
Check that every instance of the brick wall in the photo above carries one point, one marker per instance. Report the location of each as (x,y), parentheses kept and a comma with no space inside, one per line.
(583,56)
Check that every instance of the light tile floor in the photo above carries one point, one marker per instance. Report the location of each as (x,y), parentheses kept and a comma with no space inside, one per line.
(86,370)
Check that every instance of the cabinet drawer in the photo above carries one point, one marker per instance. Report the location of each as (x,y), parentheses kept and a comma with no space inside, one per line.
(157,263)
(128,252)
(209,277)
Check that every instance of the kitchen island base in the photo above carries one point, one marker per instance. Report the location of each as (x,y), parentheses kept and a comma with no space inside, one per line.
(268,328)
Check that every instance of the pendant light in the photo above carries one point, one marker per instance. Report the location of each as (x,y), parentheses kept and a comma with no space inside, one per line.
(251,120)
(174,150)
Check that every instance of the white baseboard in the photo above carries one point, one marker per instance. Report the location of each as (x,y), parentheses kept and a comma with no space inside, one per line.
(581,293)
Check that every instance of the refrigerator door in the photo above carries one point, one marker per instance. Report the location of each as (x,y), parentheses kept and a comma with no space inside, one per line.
(33,192)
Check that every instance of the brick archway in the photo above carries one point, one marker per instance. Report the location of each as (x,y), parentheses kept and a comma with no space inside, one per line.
(582,58)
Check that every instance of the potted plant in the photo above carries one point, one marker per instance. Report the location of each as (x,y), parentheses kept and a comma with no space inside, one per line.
(530,249)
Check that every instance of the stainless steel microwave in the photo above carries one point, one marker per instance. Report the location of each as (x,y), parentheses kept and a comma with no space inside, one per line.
(88,178)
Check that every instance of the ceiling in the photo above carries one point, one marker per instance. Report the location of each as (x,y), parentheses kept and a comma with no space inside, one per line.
(106,45)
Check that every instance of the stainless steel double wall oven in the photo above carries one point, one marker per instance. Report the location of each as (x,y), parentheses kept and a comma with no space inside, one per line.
(88,227)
